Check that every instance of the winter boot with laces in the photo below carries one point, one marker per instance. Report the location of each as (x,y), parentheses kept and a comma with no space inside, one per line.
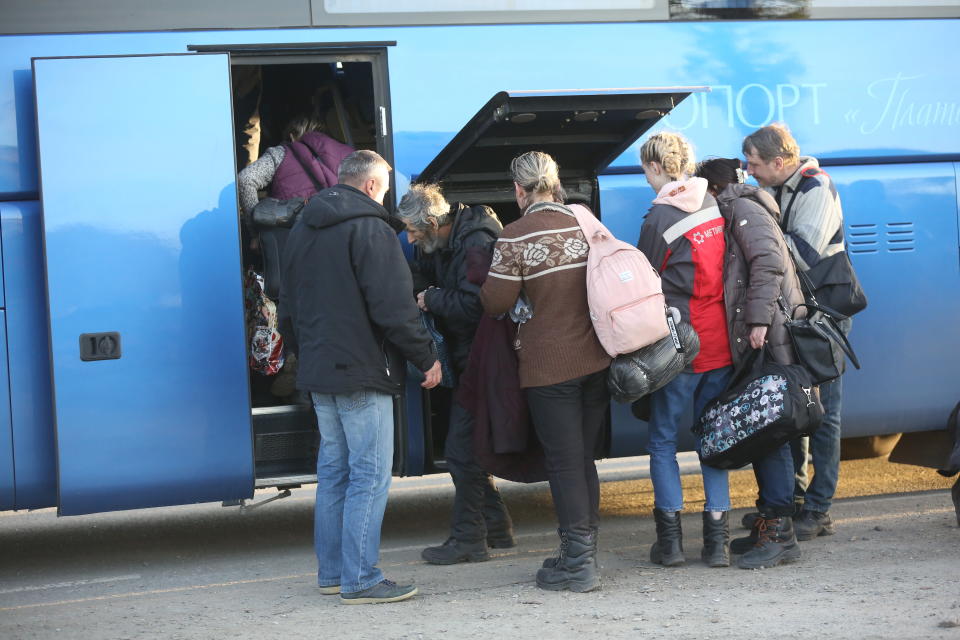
(716,540)
(776,544)
(748,519)
(740,546)
(668,549)
(552,561)
(576,567)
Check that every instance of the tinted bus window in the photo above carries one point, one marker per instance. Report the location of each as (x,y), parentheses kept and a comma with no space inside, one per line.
(799,9)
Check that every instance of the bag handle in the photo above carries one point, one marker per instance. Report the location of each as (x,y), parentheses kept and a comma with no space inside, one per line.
(842,341)
(753,360)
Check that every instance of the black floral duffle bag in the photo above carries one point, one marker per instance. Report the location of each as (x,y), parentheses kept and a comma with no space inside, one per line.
(765,405)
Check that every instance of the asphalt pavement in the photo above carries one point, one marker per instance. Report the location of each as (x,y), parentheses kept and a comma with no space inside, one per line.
(206,571)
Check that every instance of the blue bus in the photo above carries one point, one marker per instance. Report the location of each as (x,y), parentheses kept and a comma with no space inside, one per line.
(124,378)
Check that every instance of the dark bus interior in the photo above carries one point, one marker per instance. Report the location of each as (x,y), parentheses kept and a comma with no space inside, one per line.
(270,89)
(349,92)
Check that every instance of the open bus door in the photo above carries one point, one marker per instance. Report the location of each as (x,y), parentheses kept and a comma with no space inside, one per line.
(584,131)
(141,234)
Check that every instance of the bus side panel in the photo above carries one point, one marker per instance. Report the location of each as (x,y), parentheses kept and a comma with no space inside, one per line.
(901,223)
(7,493)
(901,226)
(624,201)
(28,349)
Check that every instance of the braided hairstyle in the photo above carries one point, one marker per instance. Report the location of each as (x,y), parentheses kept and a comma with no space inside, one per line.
(672,152)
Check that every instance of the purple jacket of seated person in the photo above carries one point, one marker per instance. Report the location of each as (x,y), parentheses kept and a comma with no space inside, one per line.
(316,151)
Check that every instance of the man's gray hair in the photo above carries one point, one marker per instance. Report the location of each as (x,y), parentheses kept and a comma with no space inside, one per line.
(771,142)
(360,166)
(422,203)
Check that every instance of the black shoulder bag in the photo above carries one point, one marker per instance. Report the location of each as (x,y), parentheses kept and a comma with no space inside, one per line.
(832,278)
(819,343)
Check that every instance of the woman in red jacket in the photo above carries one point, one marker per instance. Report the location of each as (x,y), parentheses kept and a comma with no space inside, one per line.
(682,236)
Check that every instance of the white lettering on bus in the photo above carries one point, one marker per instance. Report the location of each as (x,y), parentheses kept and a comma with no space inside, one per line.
(739,104)
(897,112)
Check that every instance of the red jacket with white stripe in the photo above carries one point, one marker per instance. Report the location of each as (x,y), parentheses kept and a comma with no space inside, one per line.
(682,236)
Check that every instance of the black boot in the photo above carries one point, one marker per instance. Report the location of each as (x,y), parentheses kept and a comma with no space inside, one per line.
(749,519)
(453,551)
(742,545)
(955,492)
(668,549)
(716,540)
(552,560)
(776,544)
(810,524)
(497,519)
(501,540)
(576,567)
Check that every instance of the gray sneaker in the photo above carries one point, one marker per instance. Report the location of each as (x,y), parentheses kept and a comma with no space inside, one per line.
(383,591)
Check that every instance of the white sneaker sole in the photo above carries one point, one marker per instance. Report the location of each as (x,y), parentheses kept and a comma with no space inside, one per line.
(372,600)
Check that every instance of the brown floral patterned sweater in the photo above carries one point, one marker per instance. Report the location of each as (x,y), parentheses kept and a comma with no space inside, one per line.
(545,253)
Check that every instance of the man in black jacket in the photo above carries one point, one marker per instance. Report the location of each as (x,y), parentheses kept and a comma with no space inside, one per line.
(450,238)
(345,305)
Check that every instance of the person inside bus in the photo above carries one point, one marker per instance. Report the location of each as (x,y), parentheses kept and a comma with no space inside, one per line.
(562,366)
(345,306)
(682,236)
(758,274)
(449,237)
(305,163)
(814,231)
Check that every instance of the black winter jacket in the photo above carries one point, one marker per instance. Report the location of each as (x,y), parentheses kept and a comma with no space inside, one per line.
(456,301)
(345,299)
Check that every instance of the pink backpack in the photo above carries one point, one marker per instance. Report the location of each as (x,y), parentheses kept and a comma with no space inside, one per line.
(623,291)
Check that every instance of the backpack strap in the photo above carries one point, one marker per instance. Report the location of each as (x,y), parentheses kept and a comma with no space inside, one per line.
(588,222)
(305,166)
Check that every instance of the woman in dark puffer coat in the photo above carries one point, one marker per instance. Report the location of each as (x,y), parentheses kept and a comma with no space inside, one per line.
(758,273)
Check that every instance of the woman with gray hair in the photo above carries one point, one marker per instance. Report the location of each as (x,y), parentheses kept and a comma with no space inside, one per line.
(562,365)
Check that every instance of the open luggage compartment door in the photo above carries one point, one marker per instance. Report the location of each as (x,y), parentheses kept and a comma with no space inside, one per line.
(142,255)
(584,131)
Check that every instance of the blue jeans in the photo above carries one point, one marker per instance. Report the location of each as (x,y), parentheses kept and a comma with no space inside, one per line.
(774,473)
(824,446)
(667,408)
(353,477)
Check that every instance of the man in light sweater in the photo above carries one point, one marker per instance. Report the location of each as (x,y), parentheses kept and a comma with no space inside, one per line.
(812,222)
